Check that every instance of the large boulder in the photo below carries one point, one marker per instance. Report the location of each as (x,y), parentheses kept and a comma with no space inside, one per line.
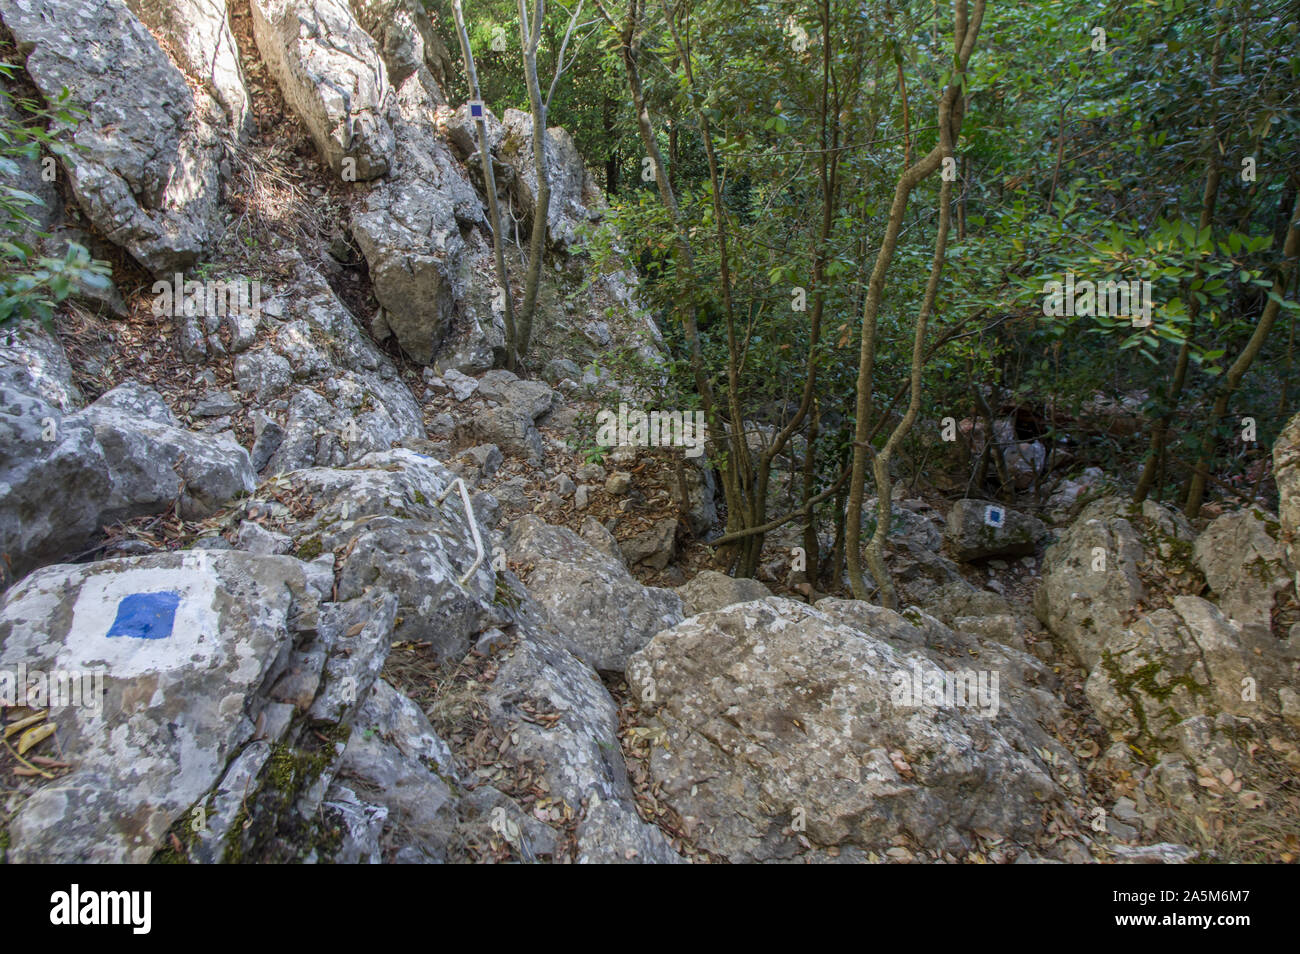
(53,482)
(383,517)
(53,478)
(185,646)
(776,721)
(578,752)
(574,194)
(153,462)
(601,612)
(1163,663)
(32,361)
(333,77)
(1286,471)
(416,233)
(710,590)
(1245,566)
(913,553)
(146,168)
(1187,661)
(198,32)
(345,397)
(977,529)
(1091,586)
(396,766)
(407,41)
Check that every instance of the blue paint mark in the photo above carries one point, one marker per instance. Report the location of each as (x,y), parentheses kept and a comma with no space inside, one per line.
(145,615)
(476,109)
(995,516)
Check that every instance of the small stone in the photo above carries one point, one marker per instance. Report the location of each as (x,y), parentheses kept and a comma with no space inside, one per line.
(255,538)
(214,542)
(1165,853)
(655,547)
(1119,830)
(1125,810)
(492,640)
(443,425)
(487,457)
(1290,702)
(215,404)
(564,485)
(460,385)
(618,484)
(268,441)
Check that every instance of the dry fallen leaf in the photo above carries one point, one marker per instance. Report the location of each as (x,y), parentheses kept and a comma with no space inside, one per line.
(35,736)
(12,730)
(1087,749)
(1251,799)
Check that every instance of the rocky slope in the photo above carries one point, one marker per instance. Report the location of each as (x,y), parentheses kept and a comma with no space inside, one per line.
(356,596)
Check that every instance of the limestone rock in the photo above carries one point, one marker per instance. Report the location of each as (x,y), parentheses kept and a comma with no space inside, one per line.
(184,644)
(776,714)
(153,462)
(710,590)
(508,426)
(332,76)
(1286,471)
(146,172)
(1244,565)
(573,192)
(1091,586)
(395,761)
(654,547)
(601,613)
(977,529)
(53,483)
(410,232)
(579,754)
(407,42)
(199,33)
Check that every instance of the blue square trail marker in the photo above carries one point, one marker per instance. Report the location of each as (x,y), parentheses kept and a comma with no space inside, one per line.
(476,108)
(145,615)
(995,516)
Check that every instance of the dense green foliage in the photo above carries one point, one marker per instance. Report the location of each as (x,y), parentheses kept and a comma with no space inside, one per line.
(32,284)
(1089,133)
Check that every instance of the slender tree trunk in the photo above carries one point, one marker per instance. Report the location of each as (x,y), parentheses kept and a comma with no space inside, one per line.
(612,159)
(530,35)
(811,542)
(742,469)
(1196,491)
(827,176)
(490,185)
(880,463)
(1209,198)
(950,109)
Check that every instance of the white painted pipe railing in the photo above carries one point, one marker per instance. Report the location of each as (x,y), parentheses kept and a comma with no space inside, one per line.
(459,484)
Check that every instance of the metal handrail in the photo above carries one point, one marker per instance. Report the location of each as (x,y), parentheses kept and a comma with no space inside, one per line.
(459,483)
